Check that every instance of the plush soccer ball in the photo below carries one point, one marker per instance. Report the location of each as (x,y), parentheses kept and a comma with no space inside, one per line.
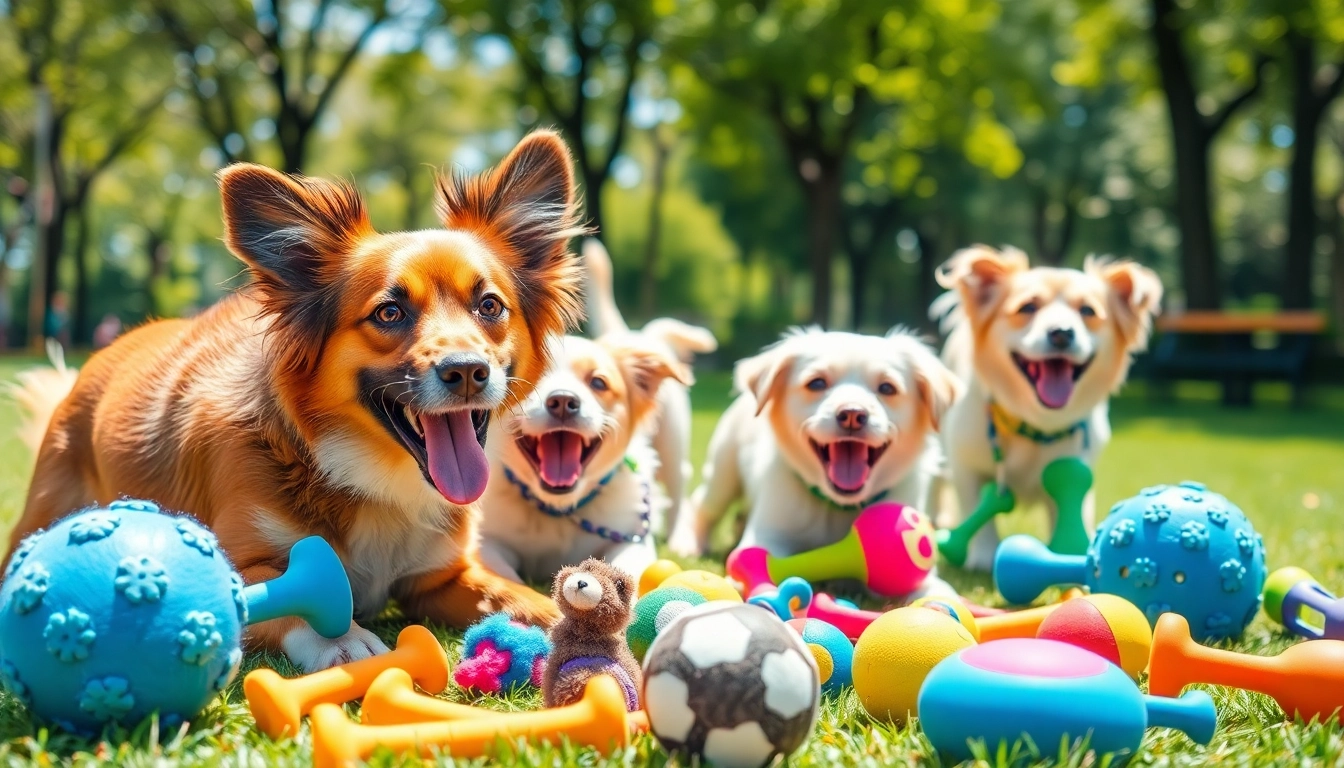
(114,613)
(656,610)
(732,684)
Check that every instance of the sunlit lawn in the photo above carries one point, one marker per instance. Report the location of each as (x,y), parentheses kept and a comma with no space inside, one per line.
(1285,469)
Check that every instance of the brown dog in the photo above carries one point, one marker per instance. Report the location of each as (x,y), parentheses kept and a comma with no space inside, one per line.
(345,392)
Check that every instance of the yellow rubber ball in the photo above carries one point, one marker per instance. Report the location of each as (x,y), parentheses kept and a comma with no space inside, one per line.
(896,652)
(654,576)
(954,607)
(711,585)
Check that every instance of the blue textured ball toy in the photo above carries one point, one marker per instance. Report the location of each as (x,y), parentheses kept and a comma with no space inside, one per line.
(117,612)
(1172,548)
(832,650)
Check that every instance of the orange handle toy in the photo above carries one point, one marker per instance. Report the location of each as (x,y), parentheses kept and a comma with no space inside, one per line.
(392,700)
(279,704)
(1022,623)
(1307,680)
(597,720)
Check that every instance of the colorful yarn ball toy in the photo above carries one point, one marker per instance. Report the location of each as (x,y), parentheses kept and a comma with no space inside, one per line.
(499,654)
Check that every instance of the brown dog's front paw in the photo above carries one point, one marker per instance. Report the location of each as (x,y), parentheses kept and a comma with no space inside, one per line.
(533,608)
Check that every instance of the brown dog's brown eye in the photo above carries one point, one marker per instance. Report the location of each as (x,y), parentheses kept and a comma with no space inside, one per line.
(389,313)
(490,306)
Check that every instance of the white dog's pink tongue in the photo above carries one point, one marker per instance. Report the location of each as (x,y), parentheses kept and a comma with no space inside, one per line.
(561,458)
(848,468)
(457,462)
(1054,384)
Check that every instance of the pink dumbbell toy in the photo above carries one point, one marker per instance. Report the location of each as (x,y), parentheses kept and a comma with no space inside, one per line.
(890,548)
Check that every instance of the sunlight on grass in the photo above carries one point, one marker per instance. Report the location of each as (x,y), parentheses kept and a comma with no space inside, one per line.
(1282,467)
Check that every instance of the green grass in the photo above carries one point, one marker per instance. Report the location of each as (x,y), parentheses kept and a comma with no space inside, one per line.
(1285,468)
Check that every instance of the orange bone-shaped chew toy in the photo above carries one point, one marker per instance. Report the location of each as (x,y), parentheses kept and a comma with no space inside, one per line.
(279,704)
(597,720)
(392,700)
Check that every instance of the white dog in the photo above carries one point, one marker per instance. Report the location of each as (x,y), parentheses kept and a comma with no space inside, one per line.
(571,469)
(671,430)
(1042,350)
(826,424)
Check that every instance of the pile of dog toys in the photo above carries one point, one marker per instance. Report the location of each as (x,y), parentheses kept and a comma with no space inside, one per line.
(118,612)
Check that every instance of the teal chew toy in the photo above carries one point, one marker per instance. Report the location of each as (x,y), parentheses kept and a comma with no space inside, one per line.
(1066,481)
(314,587)
(1003,691)
(121,611)
(1181,549)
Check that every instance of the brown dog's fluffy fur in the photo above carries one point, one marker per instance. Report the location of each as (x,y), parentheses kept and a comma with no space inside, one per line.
(596,631)
(270,415)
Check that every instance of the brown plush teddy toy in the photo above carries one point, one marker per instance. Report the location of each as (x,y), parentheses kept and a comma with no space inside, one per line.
(596,601)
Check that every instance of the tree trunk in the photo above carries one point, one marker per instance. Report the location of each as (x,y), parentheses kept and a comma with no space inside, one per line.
(1337,271)
(592,196)
(648,286)
(79,315)
(823,205)
(1190,142)
(927,287)
(1308,108)
(46,208)
(292,134)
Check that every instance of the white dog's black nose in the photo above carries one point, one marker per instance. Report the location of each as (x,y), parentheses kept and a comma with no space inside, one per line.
(562,405)
(852,418)
(1060,338)
(464,374)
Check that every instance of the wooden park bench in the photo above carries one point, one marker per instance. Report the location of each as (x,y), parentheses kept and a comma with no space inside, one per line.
(1229,348)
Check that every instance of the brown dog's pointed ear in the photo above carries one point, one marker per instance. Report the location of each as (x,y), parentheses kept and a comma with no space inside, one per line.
(764,375)
(527,210)
(980,274)
(293,232)
(1136,297)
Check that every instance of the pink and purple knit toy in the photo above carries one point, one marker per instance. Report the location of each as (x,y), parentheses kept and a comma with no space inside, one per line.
(890,548)
(498,654)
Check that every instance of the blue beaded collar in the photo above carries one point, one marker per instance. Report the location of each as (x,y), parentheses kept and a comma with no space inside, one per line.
(584,523)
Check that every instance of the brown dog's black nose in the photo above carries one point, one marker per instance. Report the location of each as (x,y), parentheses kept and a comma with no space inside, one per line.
(464,375)
(1060,338)
(562,405)
(852,418)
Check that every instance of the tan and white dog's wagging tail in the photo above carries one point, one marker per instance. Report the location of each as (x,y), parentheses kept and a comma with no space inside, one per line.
(1041,350)
(826,423)
(345,392)
(572,471)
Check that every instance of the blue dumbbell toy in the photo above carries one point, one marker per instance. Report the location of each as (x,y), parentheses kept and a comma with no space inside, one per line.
(1049,691)
(120,611)
(1179,549)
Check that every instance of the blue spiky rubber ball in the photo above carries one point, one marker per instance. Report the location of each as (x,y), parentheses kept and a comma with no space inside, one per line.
(117,612)
(1185,549)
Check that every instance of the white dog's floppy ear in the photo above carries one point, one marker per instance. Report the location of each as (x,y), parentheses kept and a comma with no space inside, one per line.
(645,369)
(763,375)
(937,385)
(979,275)
(1136,297)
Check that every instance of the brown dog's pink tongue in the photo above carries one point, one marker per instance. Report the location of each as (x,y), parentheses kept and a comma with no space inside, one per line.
(848,468)
(561,458)
(457,462)
(1054,385)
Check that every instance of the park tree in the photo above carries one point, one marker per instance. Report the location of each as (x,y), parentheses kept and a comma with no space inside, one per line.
(91,95)
(297,54)
(820,73)
(578,63)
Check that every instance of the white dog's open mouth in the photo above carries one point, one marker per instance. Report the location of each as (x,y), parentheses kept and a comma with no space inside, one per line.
(559,457)
(848,463)
(1052,377)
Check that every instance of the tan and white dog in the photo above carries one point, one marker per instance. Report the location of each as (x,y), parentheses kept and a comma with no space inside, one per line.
(1041,351)
(572,471)
(826,424)
(671,429)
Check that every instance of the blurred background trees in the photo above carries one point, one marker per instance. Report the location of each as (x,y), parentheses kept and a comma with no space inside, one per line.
(750,163)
